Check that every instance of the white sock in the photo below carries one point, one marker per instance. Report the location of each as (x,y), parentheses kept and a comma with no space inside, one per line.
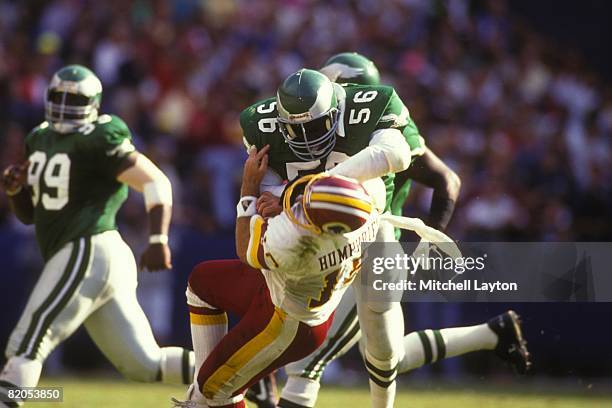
(382,380)
(382,397)
(208,327)
(20,372)
(205,336)
(301,391)
(429,346)
(177,365)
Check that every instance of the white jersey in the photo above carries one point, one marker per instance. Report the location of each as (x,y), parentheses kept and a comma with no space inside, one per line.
(306,273)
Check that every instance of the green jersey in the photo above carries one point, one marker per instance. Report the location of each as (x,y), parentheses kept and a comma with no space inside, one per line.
(364,110)
(72,178)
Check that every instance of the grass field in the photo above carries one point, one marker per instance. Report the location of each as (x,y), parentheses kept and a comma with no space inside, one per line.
(120,394)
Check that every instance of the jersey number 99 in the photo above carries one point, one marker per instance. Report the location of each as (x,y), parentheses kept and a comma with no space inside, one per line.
(55,174)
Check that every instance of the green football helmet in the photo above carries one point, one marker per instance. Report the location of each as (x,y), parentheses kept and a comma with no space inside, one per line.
(308,114)
(73,98)
(351,68)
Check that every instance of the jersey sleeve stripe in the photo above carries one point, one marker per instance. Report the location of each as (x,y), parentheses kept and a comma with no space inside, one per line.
(255,250)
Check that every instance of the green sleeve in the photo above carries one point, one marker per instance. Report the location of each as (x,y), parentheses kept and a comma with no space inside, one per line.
(248,123)
(397,116)
(414,139)
(111,143)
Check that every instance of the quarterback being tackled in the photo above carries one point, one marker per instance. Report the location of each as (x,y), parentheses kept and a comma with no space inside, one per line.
(282,292)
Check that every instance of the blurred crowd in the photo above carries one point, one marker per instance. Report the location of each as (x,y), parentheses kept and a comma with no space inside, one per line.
(524,121)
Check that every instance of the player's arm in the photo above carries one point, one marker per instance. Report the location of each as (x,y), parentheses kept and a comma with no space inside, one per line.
(272,184)
(14,184)
(429,170)
(255,168)
(387,152)
(138,172)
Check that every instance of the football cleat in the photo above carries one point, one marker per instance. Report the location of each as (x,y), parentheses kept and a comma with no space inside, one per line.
(263,392)
(511,346)
(186,404)
(189,401)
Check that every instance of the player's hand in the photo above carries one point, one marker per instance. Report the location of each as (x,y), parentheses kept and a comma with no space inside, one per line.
(268,205)
(14,177)
(254,171)
(156,257)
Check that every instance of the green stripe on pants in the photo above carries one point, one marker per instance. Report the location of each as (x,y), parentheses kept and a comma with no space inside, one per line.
(80,267)
(49,299)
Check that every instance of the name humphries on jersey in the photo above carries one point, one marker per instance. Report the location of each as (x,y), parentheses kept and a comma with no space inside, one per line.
(352,249)
(310,271)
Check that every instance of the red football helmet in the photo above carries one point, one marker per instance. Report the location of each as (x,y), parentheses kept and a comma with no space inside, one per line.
(332,204)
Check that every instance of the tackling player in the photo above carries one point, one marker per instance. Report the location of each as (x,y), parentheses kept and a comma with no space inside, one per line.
(282,290)
(76,176)
(502,333)
(314,125)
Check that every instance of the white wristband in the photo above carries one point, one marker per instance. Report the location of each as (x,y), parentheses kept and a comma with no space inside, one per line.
(158,239)
(246,207)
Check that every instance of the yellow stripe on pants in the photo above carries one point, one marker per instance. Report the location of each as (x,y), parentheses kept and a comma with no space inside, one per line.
(246,353)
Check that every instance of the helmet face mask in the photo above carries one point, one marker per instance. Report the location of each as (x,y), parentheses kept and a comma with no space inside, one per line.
(311,140)
(308,114)
(72,99)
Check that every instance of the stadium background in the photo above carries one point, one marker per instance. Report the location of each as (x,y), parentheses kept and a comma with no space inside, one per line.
(515,96)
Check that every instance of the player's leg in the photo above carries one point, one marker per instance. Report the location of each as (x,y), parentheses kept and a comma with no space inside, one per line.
(382,325)
(228,284)
(122,331)
(265,339)
(209,323)
(56,308)
(502,333)
(302,387)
